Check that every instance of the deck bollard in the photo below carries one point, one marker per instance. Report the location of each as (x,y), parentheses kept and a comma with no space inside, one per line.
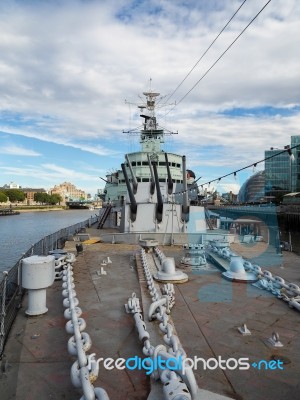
(79,248)
(38,273)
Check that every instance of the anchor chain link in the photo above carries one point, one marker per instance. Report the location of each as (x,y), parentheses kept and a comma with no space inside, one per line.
(83,374)
(177,384)
(288,292)
(174,387)
(161,309)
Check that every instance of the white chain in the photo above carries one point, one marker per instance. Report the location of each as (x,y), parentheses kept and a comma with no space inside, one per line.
(289,292)
(81,375)
(159,309)
(173,384)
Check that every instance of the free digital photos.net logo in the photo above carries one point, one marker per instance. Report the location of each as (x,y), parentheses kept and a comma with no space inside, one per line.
(183,364)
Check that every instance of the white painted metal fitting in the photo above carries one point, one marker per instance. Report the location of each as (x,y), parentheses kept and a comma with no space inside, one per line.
(244,330)
(169,273)
(38,273)
(237,271)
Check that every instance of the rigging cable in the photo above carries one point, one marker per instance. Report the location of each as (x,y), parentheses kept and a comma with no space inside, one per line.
(212,43)
(287,150)
(219,58)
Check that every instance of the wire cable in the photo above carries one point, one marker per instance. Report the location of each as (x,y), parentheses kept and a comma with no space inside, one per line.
(212,43)
(287,150)
(219,58)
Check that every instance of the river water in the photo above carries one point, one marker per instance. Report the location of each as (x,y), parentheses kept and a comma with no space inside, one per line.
(19,232)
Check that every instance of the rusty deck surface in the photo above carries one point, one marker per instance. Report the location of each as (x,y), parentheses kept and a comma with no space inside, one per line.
(206,315)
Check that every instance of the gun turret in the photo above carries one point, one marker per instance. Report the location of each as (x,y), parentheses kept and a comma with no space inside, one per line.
(133,205)
(159,207)
(134,181)
(170,182)
(152,183)
(185,200)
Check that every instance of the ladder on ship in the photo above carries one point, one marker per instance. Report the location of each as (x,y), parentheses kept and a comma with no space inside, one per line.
(208,220)
(104,216)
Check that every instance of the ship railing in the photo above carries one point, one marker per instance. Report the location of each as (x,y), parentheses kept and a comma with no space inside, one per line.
(11,291)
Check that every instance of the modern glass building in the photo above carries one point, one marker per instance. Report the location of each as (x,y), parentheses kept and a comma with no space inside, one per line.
(282,173)
(277,173)
(295,164)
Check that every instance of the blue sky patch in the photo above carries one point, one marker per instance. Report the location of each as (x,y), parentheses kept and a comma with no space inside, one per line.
(261,111)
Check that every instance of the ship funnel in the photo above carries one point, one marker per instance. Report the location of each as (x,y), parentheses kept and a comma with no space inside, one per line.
(133,205)
(134,181)
(159,208)
(152,184)
(185,201)
(170,182)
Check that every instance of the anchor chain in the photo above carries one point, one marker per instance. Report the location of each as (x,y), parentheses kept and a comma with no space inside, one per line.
(160,310)
(176,384)
(288,292)
(83,374)
(168,288)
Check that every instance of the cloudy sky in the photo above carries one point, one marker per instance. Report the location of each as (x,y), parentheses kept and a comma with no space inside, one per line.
(67,66)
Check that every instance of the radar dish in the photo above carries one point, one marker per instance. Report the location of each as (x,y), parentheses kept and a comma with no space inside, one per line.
(151,94)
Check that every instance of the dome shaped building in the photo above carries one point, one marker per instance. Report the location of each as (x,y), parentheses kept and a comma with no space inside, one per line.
(253,190)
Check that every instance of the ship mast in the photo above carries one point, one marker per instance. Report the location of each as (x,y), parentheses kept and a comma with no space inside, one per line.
(150,136)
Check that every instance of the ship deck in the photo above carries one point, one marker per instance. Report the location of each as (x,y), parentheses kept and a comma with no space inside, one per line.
(207,312)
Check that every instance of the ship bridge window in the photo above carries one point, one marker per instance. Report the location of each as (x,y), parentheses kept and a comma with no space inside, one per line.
(145,163)
(138,163)
(162,163)
(173,164)
(161,180)
(138,179)
(133,163)
(178,165)
(145,179)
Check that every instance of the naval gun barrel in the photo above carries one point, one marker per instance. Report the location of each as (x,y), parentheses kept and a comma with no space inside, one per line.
(133,205)
(134,181)
(152,184)
(170,182)
(159,208)
(185,201)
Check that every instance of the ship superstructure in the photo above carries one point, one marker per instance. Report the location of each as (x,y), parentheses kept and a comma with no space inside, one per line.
(150,181)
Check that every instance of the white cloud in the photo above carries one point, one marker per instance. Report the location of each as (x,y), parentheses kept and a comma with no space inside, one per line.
(15,150)
(67,67)
(48,175)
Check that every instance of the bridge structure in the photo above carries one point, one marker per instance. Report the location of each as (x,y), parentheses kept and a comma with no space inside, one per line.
(79,204)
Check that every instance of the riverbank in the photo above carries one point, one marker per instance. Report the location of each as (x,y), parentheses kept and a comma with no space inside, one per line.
(39,209)
(21,209)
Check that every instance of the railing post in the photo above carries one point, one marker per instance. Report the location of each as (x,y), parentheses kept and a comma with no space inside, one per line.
(20,278)
(3,313)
